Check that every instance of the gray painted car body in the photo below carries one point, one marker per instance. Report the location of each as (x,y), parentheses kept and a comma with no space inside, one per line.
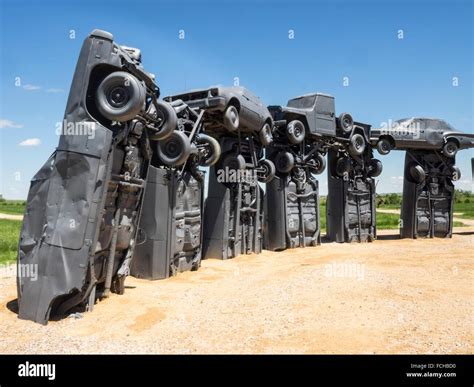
(253,114)
(421,133)
(81,196)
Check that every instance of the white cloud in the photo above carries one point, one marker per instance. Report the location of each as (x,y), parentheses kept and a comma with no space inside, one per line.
(54,90)
(30,142)
(8,124)
(30,87)
(396,178)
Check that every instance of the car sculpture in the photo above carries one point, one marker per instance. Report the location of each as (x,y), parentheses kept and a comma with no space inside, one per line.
(421,133)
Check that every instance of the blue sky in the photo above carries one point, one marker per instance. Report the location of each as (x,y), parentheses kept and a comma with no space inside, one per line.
(389,78)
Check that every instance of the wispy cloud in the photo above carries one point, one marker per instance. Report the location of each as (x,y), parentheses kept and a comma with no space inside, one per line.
(30,142)
(30,87)
(54,90)
(8,124)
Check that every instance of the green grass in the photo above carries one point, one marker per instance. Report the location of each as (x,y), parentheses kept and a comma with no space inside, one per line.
(14,207)
(322,217)
(387,221)
(389,206)
(9,234)
(10,229)
(467,210)
(384,221)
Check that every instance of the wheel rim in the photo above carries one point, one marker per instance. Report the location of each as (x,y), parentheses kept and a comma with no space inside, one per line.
(342,167)
(118,96)
(233,163)
(450,148)
(159,116)
(316,164)
(282,164)
(233,116)
(265,171)
(172,148)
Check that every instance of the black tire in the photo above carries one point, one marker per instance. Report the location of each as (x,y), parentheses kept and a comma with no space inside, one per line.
(165,114)
(343,166)
(265,134)
(231,118)
(295,131)
(268,173)
(317,164)
(346,122)
(284,162)
(384,146)
(417,174)
(213,152)
(233,162)
(357,144)
(120,96)
(375,168)
(175,149)
(450,149)
(455,173)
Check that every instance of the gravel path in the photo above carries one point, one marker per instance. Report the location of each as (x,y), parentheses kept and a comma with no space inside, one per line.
(390,296)
(466,222)
(11,216)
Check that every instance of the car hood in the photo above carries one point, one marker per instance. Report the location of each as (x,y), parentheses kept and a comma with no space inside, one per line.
(287,109)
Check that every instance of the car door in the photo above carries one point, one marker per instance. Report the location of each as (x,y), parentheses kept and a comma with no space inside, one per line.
(409,133)
(251,116)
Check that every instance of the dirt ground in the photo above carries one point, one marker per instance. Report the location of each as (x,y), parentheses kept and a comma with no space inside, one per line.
(11,217)
(390,296)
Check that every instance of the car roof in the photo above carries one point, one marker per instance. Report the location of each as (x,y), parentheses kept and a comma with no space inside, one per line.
(428,123)
(241,91)
(311,95)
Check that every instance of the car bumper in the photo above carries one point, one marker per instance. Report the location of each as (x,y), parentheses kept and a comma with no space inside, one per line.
(217,103)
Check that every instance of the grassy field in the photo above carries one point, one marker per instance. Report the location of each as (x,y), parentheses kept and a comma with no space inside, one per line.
(384,221)
(9,234)
(10,229)
(387,221)
(14,207)
(465,209)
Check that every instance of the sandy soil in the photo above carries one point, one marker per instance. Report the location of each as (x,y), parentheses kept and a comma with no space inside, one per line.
(390,296)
